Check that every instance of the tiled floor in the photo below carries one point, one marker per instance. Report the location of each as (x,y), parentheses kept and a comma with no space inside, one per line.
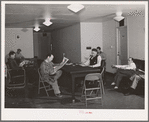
(112,99)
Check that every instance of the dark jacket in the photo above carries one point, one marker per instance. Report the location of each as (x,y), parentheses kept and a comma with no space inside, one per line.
(13,64)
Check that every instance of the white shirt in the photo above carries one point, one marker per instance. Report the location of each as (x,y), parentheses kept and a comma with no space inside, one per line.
(129,66)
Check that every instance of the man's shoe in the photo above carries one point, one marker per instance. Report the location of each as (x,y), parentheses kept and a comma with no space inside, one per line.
(128,93)
(115,87)
(58,95)
(113,83)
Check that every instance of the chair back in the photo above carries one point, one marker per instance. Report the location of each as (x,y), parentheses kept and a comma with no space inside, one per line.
(103,63)
(102,71)
(40,77)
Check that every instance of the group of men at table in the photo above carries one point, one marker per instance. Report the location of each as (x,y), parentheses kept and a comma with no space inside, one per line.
(51,72)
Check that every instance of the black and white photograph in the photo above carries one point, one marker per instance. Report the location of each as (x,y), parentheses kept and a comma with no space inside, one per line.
(74,60)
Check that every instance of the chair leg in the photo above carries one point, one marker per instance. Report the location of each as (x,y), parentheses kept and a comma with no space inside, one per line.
(85,98)
(45,89)
(102,87)
(39,88)
(101,92)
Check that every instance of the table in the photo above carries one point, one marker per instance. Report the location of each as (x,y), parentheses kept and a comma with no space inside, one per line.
(78,71)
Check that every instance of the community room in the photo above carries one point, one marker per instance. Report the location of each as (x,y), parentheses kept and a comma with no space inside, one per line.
(74,55)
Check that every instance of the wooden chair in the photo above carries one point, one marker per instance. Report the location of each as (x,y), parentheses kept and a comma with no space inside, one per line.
(45,84)
(93,83)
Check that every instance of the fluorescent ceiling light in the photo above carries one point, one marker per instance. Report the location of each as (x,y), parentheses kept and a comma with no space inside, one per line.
(36,28)
(75,7)
(47,22)
(119,16)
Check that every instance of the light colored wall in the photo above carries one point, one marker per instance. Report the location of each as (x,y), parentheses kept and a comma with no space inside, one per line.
(67,40)
(24,42)
(109,39)
(91,36)
(136,36)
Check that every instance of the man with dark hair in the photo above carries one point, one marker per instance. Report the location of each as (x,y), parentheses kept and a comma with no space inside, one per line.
(51,74)
(94,59)
(102,54)
(11,61)
(124,71)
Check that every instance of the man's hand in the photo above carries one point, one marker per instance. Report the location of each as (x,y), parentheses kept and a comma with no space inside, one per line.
(52,80)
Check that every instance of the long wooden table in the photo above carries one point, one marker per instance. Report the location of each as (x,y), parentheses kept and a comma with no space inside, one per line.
(78,71)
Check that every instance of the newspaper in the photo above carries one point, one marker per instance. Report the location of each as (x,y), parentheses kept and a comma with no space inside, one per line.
(56,68)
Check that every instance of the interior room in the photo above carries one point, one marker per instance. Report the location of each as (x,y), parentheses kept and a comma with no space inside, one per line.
(71,30)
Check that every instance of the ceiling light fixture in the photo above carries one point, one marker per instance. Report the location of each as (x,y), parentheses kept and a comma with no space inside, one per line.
(36,29)
(119,16)
(75,7)
(47,22)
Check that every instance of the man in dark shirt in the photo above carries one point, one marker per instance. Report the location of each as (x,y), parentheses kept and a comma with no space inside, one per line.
(94,60)
(12,62)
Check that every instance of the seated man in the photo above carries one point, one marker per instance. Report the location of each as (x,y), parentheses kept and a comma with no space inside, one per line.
(135,79)
(102,54)
(19,57)
(12,62)
(124,71)
(50,73)
(94,60)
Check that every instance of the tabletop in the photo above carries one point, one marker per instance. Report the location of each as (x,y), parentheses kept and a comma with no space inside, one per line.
(79,69)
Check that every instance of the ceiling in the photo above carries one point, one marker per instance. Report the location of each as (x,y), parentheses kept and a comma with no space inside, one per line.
(26,15)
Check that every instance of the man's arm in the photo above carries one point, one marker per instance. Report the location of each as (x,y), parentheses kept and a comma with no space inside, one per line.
(87,62)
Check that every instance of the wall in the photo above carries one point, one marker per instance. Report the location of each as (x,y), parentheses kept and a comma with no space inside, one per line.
(42,44)
(24,41)
(91,36)
(136,36)
(109,39)
(67,40)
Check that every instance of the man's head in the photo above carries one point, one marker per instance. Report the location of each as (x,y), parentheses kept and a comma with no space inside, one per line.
(12,54)
(18,51)
(98,49)
(49,57)
(130,60)
(94,52)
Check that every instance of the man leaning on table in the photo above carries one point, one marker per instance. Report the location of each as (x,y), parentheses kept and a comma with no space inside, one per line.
(94,60)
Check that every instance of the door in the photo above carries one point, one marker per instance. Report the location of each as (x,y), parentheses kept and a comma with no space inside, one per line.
(122,46)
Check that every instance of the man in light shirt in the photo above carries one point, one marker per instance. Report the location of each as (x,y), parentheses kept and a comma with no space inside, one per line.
(124,71)
(102,54)
(94,60)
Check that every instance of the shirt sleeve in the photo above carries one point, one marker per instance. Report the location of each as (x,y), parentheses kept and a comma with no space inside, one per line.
(131,66)
(98,62)
(87,62)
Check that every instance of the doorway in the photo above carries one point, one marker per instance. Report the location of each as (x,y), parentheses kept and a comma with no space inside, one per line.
(122,45)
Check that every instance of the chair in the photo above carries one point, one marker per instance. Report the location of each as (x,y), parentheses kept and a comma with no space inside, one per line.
(103,64)
(15,79)
(45,84)
(93,83)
